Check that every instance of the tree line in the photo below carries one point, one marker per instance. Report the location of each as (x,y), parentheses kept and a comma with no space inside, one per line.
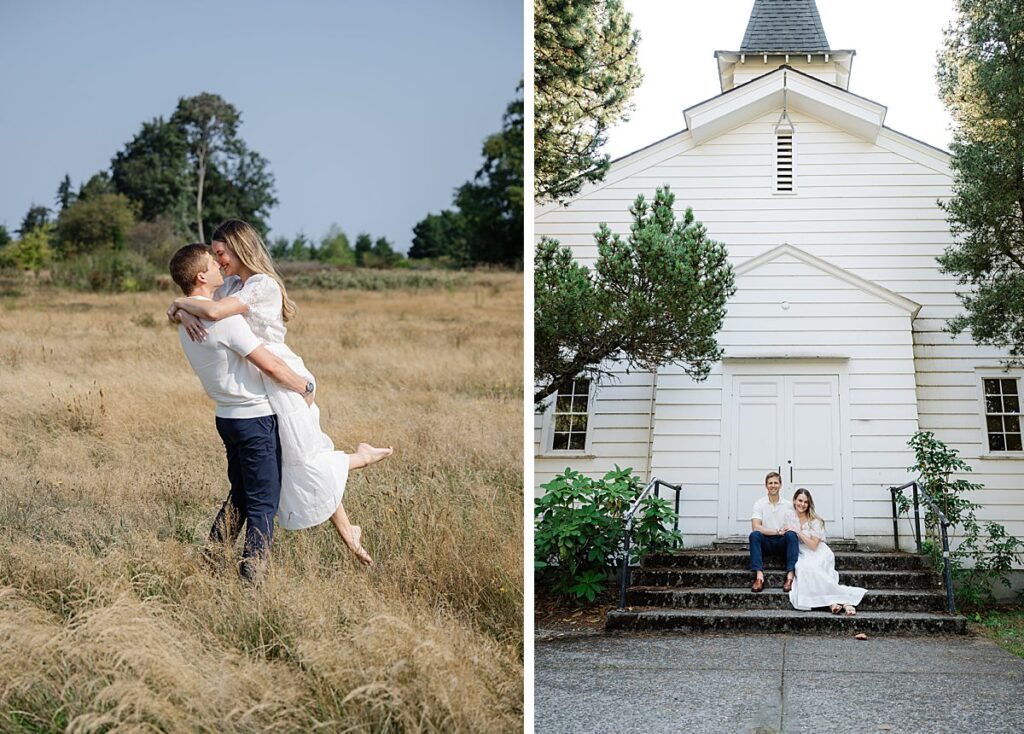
(180,176)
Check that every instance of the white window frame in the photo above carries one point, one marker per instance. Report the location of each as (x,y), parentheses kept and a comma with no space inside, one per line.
(548,428)
(993,373)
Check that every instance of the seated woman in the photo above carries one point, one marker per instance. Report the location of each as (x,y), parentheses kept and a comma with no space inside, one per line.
(817,582)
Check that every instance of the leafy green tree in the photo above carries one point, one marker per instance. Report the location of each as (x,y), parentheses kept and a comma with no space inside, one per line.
(585,71)
(94,222)
(226,179)
(441,236)
(31,252)
(335,248)
(97,185)
(301,248)
(64,193)
(492,204)
(36,217)
(981,81)
(152,170)
(655,298)
(364,245)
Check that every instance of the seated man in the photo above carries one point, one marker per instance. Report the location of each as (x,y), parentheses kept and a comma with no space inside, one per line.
(770,516)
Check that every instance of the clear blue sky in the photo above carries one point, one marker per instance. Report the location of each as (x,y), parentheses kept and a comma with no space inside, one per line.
(370,113)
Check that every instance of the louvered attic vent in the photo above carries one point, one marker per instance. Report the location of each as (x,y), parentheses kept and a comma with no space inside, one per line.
(784,161)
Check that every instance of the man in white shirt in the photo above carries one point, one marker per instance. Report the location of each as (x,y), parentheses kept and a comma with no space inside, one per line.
(768,521)
(230,364)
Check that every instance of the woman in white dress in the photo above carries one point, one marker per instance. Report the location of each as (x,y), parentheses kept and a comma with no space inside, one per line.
(313,474)
(817,582)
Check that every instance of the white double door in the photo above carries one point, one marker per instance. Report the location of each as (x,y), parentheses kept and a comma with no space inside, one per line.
(786,423)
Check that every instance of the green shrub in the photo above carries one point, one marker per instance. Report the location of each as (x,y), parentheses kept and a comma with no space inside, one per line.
(986,553)
(109,270)
(579,536)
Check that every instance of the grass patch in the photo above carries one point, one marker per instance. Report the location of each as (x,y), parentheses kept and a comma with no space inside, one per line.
(1004,626)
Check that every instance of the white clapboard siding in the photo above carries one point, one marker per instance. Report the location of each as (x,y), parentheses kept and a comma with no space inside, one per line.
(868,208)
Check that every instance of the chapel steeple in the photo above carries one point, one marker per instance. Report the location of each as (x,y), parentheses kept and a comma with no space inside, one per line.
(784,32)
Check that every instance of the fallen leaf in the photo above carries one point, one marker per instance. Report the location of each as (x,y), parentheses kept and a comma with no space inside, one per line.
(884,727)
(860,636)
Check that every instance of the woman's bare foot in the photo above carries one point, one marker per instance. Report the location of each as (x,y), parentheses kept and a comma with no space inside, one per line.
(836,608)
(352,540)
(851,611)
(371,455)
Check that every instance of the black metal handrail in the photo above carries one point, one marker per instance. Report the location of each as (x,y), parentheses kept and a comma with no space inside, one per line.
(654,485)
(943,524)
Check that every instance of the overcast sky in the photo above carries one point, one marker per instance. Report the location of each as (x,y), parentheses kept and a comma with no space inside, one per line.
(896,43)
(370,113)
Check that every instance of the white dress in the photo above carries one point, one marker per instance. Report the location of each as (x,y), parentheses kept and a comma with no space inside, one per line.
(313,474)
(817,582)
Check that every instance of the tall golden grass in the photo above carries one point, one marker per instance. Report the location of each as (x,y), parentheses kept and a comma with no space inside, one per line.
(111,472)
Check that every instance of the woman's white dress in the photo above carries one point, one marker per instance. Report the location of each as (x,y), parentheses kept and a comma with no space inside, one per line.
(313,474)
(817,582)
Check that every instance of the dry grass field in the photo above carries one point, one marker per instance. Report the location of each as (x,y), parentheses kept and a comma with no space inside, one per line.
(111,471)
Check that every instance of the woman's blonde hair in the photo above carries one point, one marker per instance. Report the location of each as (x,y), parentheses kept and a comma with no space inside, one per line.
(812,516)
(247,245)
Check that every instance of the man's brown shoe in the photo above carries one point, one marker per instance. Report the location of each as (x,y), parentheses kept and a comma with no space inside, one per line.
(788,586)
(757,586)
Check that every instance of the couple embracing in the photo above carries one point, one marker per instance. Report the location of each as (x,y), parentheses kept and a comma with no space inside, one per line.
(795,531)
(279,461)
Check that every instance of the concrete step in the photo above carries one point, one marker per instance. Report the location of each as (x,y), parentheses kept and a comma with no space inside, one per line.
(737,544)
(785,621)
(888,600)
(732,578)
(740,560)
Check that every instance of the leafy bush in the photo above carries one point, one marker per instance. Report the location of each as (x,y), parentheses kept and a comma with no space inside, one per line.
(31,252)
(579,536)
(109,270)
(986,553)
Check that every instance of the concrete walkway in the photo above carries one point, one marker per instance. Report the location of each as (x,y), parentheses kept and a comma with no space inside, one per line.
(776,683)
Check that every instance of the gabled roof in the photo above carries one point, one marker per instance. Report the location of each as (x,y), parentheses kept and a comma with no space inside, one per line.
(784,26)
(835,271)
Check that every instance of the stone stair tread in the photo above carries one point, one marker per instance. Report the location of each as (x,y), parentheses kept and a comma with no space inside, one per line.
(770,591)
(780,613)
(885,573)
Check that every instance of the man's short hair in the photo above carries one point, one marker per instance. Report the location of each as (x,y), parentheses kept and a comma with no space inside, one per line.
(770,475)
(186,264)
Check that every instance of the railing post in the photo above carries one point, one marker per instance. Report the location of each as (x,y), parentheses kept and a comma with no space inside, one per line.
(917,519)
(947,570)
(675,525)
(624,576)
(895,526)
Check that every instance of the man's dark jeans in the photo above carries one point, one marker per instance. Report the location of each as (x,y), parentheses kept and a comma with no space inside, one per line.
(773,545)
(254,470)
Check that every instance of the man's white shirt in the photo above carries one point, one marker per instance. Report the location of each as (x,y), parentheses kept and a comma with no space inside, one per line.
(773,517)
(231,380)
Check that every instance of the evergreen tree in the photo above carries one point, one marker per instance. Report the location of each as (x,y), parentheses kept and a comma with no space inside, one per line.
(36,217)
(492,205)
(364,244)
(981,80)
(97,185)
(441,236)
(655,298)
(5,236)
(585,71)
(64,193)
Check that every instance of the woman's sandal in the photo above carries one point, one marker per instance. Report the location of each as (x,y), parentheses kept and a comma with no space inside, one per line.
(836,608)
(851,611)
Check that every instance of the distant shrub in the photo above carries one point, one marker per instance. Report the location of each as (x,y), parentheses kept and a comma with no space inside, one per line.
(109,270)
(375,280)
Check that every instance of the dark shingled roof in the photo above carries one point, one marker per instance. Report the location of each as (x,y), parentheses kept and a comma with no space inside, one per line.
(788,26)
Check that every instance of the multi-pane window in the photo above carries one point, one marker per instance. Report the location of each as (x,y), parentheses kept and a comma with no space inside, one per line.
(1002,414)
(570,417)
